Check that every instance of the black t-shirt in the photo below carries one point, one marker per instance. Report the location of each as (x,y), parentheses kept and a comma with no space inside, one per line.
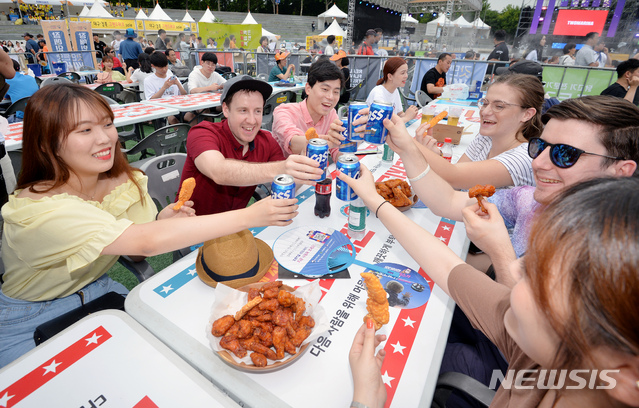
(345,96)
(500,53)
(433,77)
(620,92)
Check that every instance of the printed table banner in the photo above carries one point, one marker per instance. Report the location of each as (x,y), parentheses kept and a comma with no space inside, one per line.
(576,82)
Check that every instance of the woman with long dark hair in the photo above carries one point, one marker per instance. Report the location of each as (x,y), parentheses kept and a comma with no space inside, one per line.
(387,89)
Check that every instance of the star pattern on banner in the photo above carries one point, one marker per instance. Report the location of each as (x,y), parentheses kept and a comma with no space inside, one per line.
(408,322)
(93,339)
(398,348)
(166,289)
(192,272)
(51,367)
(4,400)
(387,379)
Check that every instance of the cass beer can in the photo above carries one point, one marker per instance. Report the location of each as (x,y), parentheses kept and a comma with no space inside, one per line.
(353,108)
(317,149)
(375,131)
(349,165)
(283,187)
(347,146)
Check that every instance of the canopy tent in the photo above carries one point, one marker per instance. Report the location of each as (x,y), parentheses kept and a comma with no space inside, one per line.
(141,15)
(249,19)
(208,17)
(462,23)
(330,15)
(84,12)
(187,17)
(98,11)
(334,29)
(159,14)
(480,25)
(270,35)
(409,19)
(431,26)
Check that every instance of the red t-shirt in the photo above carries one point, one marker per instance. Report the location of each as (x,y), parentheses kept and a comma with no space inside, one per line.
(365,49)
(209,197)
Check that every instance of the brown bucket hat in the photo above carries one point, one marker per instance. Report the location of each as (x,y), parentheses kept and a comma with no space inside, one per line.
(234,260)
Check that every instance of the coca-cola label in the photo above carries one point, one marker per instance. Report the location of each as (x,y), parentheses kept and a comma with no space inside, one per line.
(323,188)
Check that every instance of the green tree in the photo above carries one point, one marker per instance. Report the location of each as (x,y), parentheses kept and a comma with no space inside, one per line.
(508,19)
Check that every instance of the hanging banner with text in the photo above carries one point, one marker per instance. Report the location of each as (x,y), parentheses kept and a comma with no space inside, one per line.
(82,40)
(111,24)
(55,33)
(576,81)
(247,36)
(460,72)
(364,69)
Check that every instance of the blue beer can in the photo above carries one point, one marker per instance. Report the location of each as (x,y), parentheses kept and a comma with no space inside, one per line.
(347,146)
(349,165)
(375,131)
(353,108)
(283,187)
(317,149)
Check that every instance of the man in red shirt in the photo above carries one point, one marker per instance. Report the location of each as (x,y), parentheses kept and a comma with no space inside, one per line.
(229,158)
(367,45)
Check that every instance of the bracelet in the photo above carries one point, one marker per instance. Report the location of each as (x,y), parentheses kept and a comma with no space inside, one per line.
(425,172)
(355,404)
(376,211)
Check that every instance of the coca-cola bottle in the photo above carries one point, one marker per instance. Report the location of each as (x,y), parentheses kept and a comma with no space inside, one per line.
(323,190)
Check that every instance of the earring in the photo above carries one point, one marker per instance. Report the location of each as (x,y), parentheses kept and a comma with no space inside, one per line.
(637,385)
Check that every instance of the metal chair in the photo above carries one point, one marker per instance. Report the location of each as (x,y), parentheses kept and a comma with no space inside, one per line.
(229,75)
(164,173)
(270,105)
(169,139)
(421,98)
(19,105)
(109,100)
(262,77)
(54,80)
(71,76)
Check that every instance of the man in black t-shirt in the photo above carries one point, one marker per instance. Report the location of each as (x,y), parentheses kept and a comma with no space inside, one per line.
(435,79)
(500,52)
(627,82)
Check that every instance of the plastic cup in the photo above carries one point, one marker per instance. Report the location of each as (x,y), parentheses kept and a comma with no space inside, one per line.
(428,113)
(453,115)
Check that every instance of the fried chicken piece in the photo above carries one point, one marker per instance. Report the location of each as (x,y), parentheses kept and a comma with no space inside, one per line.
(279,342)
(399,198)
(253,293)
(221,325)
(258,347)
(480,192)
(270,285)
(290,348)
(266,317)
(281,317)
(232,344)
(383,190)
(186,192)
(246,329)
(270,305)
(377,303)
(286,298)
(256,312)
(259,360)
(299,336)
(300,308)
(306,322)
(311,133)
(392,183)
(271,293)
(406,188)
(265,337)
(245,309)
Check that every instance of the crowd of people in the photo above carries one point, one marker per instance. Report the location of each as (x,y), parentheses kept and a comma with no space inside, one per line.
(553,281)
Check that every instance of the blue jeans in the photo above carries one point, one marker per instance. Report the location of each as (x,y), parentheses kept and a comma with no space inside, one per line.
(19,318)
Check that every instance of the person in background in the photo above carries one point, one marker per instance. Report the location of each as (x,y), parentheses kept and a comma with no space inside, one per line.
(330,48)
(387,89)
(602,55)
(229,158)
(21,85)
(434,80)
(405,48)
(115,44)
(263,47)
(160,42)
(31,47)
(204,78)
(210,43)
(536,54)
(98,45)
(130,49)
(108,74)
(140,74)
(160,85)
(149,50)
(378,37)
(176,66)
(280,71)
(627,82)
(470,55)
(569,54)
(500,52)
(341,61)
(117,64)
(292,120)
(199,45)
(42,56)
(367,45)
(587,56)
(85,206)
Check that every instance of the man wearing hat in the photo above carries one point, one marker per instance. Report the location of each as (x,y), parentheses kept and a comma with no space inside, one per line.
(367,45)
(130,49)
(31,47)
(229,158)
(280,71)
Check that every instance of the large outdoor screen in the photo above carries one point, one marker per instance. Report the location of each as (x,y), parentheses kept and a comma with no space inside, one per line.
(580,22)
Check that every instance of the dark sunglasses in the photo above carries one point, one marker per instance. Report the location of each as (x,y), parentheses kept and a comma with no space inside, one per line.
(561,155)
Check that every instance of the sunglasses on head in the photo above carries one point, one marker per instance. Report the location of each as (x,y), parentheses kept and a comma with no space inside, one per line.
(561,155)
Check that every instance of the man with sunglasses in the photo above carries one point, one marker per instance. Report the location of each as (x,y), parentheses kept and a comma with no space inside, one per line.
(583,138)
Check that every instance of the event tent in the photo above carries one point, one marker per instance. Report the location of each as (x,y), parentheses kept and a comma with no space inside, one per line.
(409,19)
(330,15)
(141,15)
(208,17)
(159,14)
(250,20)
(334,29)
(431,26)
(187,17)
(462,23)
(480,25)
(85,11)
(98,11)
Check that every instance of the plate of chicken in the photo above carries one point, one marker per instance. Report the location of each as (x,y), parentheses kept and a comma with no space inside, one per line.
(397,192)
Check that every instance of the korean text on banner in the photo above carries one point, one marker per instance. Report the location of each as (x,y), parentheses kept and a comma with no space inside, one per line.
(56,34)
(247,36)
(364,69)
(82,40)
(576,82)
